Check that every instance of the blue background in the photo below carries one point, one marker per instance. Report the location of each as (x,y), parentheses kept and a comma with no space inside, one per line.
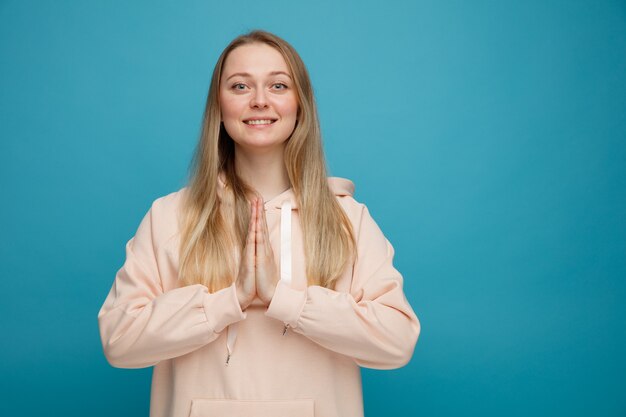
(486,137)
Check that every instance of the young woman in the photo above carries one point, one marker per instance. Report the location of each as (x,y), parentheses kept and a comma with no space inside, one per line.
(261,287)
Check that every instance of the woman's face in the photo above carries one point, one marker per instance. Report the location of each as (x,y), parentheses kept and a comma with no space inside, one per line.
(257,97)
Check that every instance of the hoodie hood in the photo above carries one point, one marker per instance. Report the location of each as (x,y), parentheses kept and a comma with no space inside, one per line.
(338,186)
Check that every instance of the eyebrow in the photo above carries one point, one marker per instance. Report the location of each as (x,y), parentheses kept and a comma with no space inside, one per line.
(245,74)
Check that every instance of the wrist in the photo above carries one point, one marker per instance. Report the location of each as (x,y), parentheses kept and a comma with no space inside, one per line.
(243,299)
(269,294)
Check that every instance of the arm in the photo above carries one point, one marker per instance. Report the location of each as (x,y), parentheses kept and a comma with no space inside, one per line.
(374,323)
(140,324)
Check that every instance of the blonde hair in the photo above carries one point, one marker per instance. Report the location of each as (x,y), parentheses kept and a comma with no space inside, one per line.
(214,223)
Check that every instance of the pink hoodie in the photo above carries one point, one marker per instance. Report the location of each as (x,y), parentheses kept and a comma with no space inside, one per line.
(299,357)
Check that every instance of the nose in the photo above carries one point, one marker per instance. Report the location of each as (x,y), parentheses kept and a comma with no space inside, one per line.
(258,99)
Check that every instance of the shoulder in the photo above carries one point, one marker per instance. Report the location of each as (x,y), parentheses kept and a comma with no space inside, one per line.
(365,227)
(343,190)
(164,214)
(356,210)
(168,204)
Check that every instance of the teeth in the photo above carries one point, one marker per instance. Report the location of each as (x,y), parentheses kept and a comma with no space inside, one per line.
(258,122)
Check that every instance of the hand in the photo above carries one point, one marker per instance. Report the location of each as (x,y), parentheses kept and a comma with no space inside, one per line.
(266,272)
(246,284)
(258,273)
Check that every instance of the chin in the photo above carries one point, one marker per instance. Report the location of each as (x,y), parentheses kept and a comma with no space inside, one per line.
(260,145)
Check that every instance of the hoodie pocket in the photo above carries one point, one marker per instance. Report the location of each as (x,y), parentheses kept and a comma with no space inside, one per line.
(251,408)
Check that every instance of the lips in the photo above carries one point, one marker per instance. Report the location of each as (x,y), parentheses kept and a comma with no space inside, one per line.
(259,121)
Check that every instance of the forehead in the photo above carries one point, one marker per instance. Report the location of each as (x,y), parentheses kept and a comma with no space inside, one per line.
(255,59)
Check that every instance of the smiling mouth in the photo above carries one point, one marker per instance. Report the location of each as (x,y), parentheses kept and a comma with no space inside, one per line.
(259,122)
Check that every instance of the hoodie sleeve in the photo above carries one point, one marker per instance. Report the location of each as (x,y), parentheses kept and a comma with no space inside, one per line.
(141,325)
(374,323)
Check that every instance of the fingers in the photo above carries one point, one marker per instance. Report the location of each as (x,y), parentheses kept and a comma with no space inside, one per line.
(266,233)
(264,248)
(251,238)
(246,284)
(260,239)
(266,269)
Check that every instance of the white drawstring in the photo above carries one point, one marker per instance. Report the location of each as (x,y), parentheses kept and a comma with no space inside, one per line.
(230,341)
(285,269)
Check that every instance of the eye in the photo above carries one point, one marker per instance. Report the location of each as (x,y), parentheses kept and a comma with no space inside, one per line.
(238,86)
(279,86)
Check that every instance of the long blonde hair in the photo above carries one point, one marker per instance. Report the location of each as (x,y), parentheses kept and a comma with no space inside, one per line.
(214,224)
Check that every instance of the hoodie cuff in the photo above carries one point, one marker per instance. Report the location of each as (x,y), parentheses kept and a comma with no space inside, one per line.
(286,305)
(222,308)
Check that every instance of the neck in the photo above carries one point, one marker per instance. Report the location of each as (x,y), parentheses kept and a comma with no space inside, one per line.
(264,171)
